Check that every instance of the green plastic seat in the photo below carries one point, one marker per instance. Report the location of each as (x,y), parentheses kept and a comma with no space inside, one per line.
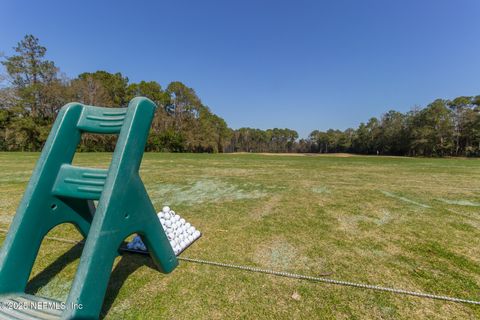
(59,192)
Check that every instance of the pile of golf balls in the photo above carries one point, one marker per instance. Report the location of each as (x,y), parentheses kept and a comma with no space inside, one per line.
(179,232)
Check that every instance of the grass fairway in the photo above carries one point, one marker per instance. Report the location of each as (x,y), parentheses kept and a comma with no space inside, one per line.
(402,222)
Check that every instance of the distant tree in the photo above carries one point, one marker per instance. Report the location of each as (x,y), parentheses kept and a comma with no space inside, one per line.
(102,88)
(90,91)
(464,117)
(31,74)
(214,131)
(153,90)
(9,99)
(304,146)
(150,89)
(433,129)
(392,137)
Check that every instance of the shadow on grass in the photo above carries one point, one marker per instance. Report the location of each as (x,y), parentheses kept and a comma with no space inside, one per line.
(126,266)
(41,279)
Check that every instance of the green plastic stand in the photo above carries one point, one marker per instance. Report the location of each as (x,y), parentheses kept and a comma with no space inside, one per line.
(59,192)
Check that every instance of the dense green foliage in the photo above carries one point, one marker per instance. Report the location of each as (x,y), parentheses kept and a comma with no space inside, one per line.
(444,127)
(36,90)
(28,106)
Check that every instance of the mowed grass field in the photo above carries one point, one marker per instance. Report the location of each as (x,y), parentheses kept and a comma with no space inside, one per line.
(410,223)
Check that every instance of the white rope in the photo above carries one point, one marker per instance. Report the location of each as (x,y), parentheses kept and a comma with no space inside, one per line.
(331,281)
(303,277)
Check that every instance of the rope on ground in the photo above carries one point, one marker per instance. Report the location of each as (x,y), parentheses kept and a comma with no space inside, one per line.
(330,281)
(302,277)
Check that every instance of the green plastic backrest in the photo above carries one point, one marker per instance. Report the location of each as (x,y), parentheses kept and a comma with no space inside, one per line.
(59,192)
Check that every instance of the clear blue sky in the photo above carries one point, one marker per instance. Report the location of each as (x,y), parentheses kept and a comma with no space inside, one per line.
(299,64)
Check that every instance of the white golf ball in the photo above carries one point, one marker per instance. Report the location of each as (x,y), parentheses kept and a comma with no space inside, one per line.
(167,216)
(160,215)
(182,221)
(190,238)
(168,223)
(196,234)
(166,209)
(177,218)
(187,225)
(172,212)
(182,244)
(170,235)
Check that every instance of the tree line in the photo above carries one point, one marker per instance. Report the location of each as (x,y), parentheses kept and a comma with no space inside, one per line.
(442,128)
(35,90)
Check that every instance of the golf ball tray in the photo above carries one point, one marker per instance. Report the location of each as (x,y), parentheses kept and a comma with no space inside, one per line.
(180,233)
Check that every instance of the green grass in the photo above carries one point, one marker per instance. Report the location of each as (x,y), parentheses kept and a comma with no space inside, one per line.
(401,222)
